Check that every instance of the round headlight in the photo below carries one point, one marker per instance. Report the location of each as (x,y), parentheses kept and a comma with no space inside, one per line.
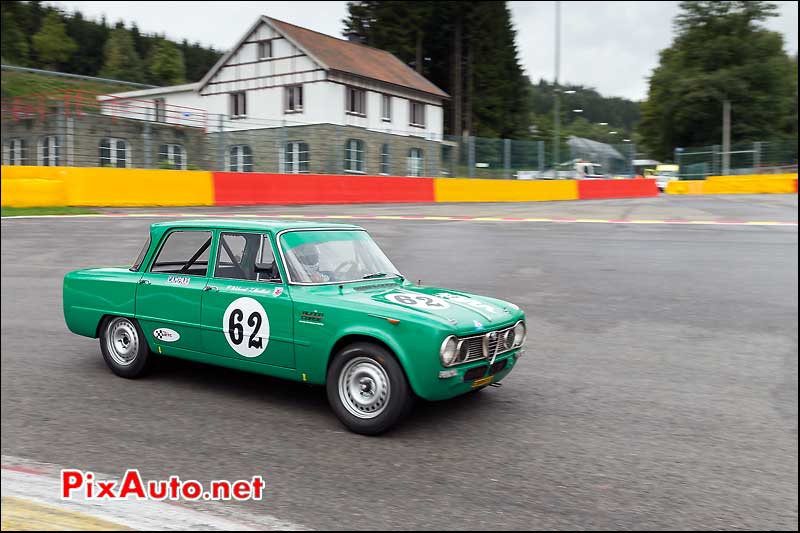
(448,351)
(519,333)
(508,339)
(462,351)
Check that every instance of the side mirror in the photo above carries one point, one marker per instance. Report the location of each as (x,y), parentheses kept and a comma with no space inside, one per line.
(264,268)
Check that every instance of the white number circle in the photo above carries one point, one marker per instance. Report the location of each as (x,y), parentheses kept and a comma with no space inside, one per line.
(417,300)
(246,327)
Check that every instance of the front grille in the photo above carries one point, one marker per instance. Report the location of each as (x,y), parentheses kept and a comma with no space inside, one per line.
(475,373)
(475,346)
(498,366)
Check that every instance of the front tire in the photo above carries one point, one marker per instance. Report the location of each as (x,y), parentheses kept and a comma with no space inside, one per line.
(367,388)
(124,347)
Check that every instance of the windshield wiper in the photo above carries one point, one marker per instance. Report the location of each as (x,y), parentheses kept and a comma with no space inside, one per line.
(375,275)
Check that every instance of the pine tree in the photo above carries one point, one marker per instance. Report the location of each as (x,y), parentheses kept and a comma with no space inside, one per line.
(165,64)
(121,60)
(52,44)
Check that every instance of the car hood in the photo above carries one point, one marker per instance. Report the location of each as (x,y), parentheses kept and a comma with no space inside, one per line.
(460,312)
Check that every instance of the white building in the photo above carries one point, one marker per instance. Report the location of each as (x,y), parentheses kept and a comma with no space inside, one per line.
(279,74)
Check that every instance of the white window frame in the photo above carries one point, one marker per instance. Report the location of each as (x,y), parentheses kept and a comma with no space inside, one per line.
(293,93)
(412,104)
(416,162)
(14,152)
(113,149)
(386,107)
(160,109)
(48,151)
(239,150)
(293,160)
(355,101)
(169,156)
(238,104)
(386,159)
(267,46)
(353,148)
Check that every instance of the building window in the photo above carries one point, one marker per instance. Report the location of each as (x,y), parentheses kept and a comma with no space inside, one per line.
(416,114)
(240,158)
(386,108)
(356,101)
(48,151)
(385,158)
(14,152)
(160,109)
(296,157)
(239,105)
(416,162)
(354,155)
(172,156)
(114,153)
(294,99)
(264,49)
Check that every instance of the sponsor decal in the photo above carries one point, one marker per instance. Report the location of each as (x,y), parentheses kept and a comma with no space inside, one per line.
(178,280)
(477,324)
(246,327)
(166,335)
(250,290)
(277,292)
(420,301)
(469,302)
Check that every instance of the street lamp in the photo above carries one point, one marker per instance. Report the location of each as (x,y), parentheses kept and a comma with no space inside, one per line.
(570,92)
(612,132)
(602,123)
(577,110)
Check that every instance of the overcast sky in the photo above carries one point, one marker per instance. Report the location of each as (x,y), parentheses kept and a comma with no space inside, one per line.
(612,46)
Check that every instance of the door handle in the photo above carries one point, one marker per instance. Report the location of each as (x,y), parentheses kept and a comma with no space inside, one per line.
(144,282)
(210,288)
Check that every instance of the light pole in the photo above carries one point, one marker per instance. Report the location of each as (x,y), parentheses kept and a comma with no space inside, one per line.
(556,116)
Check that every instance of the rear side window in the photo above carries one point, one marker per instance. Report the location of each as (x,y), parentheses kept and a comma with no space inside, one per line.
(184,252)
(140,257)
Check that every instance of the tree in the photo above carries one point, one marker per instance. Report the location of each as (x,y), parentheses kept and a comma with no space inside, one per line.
(121,60)
(466,48)
(720,52)
(52,44)
(13,44)
(165,65)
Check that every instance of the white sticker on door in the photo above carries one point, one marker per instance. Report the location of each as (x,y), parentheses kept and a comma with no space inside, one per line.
(246,327)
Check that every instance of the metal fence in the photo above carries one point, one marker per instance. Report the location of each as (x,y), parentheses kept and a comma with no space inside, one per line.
(81,129)
(775,157)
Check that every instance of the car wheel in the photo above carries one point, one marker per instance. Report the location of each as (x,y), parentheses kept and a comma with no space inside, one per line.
(124,347)
(367,388)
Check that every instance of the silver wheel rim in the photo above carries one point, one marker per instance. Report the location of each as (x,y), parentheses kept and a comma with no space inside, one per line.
(364,388)
(122,341)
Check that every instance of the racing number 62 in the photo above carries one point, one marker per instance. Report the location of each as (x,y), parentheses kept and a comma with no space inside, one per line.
(237,330)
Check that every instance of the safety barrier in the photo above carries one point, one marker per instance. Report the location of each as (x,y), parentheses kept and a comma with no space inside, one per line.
(245,188)
(745,184)
(32,186)
(115,187)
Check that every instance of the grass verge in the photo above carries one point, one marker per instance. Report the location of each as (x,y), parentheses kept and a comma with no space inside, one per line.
(34,211)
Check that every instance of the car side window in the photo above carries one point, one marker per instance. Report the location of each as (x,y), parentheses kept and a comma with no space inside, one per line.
(246,256)
(184,252)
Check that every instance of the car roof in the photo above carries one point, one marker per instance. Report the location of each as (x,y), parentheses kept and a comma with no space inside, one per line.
(253,224)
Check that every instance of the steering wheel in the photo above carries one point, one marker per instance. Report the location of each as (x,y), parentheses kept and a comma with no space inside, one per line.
(349,263)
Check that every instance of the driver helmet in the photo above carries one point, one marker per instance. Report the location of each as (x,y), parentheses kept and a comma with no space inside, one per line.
(308,255)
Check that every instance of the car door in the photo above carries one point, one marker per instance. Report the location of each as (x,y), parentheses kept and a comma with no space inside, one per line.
(246,309)
(169,294)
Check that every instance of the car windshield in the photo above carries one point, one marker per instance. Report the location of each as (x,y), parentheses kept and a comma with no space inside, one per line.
(334,256)
(668,173)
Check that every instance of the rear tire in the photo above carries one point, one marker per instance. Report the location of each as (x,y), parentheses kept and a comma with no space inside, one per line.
(367,388)
(125,348)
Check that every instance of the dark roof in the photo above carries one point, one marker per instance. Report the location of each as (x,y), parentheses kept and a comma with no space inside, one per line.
(358,59)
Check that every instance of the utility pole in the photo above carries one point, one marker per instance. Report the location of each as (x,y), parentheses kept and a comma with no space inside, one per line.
(726,137)
(556,114)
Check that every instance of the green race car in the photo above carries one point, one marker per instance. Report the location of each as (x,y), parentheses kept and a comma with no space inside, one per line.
(318,303)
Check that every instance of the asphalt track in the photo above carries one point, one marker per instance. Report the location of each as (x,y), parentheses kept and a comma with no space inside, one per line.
(659,388)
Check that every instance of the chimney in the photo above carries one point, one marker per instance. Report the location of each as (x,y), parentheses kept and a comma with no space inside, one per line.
(353,37)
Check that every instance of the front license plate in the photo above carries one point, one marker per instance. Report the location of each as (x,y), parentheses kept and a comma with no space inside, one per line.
(483,381)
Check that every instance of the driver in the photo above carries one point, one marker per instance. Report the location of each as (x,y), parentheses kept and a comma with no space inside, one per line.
(308,255)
